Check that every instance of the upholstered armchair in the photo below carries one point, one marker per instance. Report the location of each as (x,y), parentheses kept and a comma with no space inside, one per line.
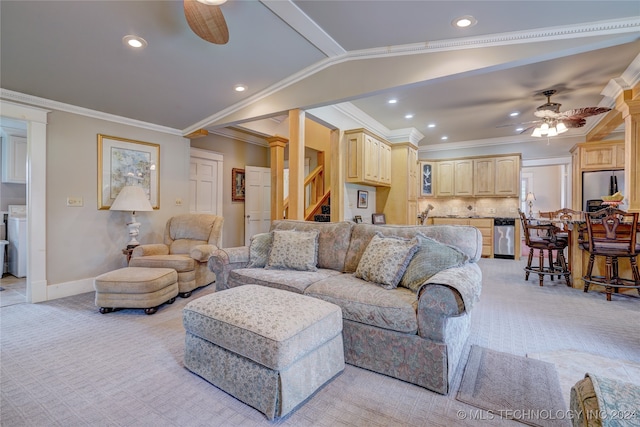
(189,241)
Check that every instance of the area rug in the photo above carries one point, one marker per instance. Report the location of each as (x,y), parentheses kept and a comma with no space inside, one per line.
(514,387)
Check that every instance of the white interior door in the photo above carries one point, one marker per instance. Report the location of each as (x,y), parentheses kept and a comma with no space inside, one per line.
(205,182)
(257,201)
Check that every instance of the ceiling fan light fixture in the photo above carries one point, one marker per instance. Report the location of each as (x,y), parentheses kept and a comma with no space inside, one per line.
(537,132)
(552,132)
(561,127)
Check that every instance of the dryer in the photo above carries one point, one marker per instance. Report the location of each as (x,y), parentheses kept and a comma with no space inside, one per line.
(17,237)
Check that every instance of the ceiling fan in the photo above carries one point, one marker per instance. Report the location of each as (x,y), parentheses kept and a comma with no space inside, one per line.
(206,20)
(553,122)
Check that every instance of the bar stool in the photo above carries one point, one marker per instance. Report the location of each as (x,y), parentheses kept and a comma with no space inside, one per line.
(543,238)
(612,233)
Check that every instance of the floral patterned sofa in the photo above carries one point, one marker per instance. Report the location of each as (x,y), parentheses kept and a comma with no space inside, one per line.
(406,292)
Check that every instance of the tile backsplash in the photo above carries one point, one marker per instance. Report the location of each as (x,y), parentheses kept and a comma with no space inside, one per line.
(459,206)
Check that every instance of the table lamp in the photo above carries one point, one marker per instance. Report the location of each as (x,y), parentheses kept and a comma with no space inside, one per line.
(132,198)
(530,198)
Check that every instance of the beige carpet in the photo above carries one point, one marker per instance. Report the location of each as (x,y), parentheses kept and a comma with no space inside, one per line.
(573,364)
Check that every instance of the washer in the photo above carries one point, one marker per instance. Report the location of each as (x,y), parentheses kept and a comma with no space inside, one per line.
(17,237)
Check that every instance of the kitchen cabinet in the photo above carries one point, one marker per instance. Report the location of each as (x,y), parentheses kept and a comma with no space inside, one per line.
(507,181)
(454,178)
(14,159)
(399,202)
(485,225)
(484,172)
(497,176)
(602,156)
(368,159)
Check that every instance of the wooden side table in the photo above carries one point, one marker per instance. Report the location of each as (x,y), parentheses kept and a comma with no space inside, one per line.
(127,252)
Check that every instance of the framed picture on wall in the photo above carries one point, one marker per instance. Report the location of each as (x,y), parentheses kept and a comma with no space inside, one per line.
(378,218)
(123,162)
(357,219)
(426,178)
(237,185)
(363,199)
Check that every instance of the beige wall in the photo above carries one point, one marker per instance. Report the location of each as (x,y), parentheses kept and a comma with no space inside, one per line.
(546,185)
(83,242)
(237,154)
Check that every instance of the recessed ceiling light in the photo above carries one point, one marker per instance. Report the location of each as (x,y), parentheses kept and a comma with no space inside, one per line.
(515,113)
(392,101)
(431,125)
(134,42)
(445,137)
(519,129)
(213,2)
(408,116)
(240,88)
(464,22)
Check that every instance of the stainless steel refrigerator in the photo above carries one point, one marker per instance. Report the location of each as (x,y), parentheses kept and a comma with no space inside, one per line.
(601,183)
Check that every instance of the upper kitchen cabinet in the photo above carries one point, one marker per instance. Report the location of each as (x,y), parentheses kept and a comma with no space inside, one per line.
(497,176)
(368,159)
(507,183)
(601,156)
(14,159)
(454,178)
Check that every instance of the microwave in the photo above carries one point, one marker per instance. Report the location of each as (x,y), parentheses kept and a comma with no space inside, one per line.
(594,205)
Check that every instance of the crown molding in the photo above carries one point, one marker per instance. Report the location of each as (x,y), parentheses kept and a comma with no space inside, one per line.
(240,135)
(48,104)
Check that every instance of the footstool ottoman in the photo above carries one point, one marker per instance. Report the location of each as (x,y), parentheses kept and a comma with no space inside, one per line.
(269,348)
(136,287)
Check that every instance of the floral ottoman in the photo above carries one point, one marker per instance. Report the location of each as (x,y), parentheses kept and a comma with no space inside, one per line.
(269,348)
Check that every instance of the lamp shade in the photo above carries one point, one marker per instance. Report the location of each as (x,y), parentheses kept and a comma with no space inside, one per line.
(131,198)
(530,197)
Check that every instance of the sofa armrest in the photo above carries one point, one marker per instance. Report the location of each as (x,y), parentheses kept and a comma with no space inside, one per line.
(150,249)
(202,253)
(449,293)
(223,261)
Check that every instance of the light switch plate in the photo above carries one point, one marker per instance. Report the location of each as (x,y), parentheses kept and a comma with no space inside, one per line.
(75,202)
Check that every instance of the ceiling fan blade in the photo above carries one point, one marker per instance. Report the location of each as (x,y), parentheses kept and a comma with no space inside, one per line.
(581,113)
(206,21)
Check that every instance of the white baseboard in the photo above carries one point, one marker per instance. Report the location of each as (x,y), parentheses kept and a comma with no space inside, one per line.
(67,289)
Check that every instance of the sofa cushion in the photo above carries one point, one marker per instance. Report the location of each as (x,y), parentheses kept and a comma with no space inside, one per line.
(385,260)
(368,303)
(288,280)
(430,258)
(259,250)
(468,239)
(294,250)
(333,241)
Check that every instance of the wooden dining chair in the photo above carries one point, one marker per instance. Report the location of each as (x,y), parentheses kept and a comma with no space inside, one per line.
(543,238)
(612,234)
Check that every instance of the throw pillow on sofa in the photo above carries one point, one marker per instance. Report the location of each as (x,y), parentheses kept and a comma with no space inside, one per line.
(430,258)
(294,250)
(259,250)
(385,260)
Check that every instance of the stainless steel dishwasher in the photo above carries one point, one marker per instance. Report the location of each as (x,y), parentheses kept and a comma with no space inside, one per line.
(503,238)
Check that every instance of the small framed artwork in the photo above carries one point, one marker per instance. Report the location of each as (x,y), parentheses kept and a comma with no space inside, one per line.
(237,185)
(357,219)
(426,181)
(378,218)
(363,199)
(123,162)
